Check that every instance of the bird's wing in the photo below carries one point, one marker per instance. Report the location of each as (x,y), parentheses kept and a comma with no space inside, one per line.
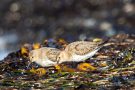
(82,47)
(52,54)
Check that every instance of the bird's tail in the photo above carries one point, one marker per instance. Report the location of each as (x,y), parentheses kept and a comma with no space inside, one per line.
(104,42)
(101,44)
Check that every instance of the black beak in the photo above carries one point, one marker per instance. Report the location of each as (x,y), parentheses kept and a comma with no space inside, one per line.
(29,63)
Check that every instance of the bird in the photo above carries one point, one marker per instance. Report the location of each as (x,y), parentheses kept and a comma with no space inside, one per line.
(74,52)
(45,56)
(79,51)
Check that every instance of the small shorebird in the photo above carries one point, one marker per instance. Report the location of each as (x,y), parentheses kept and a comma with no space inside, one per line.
(76,52)
(79,51)
(44,56)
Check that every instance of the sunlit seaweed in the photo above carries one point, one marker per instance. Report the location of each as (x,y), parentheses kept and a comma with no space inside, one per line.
(112,67)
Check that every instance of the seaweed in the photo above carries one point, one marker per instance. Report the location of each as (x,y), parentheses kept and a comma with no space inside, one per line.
(113,67)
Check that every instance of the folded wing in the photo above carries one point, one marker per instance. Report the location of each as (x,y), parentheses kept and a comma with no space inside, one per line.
(52,54)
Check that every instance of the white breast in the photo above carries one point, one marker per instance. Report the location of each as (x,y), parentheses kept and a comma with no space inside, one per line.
(46,63)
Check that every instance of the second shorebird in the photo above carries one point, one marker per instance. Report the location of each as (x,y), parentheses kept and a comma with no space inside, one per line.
(79,51)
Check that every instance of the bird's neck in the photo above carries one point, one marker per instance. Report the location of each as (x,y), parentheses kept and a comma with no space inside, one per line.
(66,56)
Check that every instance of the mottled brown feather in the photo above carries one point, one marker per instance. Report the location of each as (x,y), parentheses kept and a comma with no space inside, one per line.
(82,47)
(52,54)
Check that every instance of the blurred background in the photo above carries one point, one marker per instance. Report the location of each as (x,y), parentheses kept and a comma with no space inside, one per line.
(31,21)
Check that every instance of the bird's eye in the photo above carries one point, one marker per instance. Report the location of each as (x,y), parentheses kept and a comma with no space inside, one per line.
(59,58)
(32,57)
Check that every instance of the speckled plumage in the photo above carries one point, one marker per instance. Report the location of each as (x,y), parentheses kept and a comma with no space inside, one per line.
(44,56)
(81,47)
(79,51)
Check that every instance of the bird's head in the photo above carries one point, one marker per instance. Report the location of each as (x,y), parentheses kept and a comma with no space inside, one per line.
(63,57)
(34,55)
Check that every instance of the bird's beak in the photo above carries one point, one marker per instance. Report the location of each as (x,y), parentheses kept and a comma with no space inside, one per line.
(29,63)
